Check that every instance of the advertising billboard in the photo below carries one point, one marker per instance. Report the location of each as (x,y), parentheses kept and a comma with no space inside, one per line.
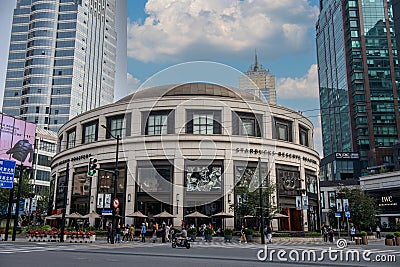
(17,139)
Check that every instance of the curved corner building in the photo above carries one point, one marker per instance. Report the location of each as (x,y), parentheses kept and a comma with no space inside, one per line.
(186,148)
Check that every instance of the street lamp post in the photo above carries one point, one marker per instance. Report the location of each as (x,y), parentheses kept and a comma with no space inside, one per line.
(17,204)
(115,173)
(260,184)
(65,192)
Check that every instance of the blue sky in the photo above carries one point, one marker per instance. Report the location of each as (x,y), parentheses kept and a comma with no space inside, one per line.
(162,33)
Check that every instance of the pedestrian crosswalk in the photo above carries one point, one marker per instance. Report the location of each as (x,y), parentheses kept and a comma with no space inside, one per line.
(10,248)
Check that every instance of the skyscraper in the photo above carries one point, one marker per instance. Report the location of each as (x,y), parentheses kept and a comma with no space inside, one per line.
(358,79)
(259,81)
(61,60)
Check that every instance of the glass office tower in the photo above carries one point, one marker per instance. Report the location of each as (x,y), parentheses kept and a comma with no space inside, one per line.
(61,60)
(358,79)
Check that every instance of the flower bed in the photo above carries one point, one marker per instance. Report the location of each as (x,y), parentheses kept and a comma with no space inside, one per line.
(53,235)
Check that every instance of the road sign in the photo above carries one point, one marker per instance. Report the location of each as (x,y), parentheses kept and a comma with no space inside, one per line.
(115,203)
(347,214)
(338,214)
(7,170)
(106,212)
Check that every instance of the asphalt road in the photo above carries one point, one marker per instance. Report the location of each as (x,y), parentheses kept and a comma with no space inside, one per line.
(201,254)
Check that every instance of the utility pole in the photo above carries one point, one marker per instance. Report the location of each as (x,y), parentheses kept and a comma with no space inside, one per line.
(10,204)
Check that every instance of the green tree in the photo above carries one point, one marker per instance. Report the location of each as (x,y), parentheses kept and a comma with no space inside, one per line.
(362,206)
(249,201)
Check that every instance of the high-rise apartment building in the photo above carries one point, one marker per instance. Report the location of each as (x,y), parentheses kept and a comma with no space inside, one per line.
(359,79)
(61,60)
(259,81)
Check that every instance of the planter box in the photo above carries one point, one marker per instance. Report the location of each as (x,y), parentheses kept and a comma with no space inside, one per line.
(397,238)
(92,238)
(364,240)
(228,238)
(389,242)
(358,240)
(192,238)
(249,238)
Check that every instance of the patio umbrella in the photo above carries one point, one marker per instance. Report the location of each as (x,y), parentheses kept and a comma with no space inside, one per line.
(51,217)
(279,215)
(196,215)
(74,215)
(92,215)
(164,214)
(136,214)
(54,216)
(223,215)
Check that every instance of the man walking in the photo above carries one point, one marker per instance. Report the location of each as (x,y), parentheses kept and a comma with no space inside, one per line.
(268,233)
(378,232)
(352,233)
(243,235)
(143,232)
(109,233)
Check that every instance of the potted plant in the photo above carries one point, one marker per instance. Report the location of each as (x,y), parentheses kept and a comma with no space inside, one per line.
(364,237)
(389,241)
(249,234)
(192,232)
(228,234)
(397,237)
(208,232)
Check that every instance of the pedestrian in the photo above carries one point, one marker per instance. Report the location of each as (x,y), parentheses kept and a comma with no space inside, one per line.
(125,233)
(132,233)
(325,233)
(172,233)
(378,232)
(202,230)
(352,233)
(154,237)
(167,229)
(109,233)
(163,233)
(143,232)
(118,234)
(331,235)
(268,233)
(243,235)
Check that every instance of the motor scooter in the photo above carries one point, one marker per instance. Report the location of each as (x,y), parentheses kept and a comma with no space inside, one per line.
(183,242)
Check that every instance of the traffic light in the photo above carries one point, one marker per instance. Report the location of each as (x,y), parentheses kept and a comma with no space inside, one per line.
(92,166)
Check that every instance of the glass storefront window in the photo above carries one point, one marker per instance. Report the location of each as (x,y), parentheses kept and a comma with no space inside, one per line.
(153,179)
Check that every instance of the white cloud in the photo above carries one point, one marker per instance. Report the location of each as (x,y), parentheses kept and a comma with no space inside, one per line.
(199,29)
(132,83)
(303,87)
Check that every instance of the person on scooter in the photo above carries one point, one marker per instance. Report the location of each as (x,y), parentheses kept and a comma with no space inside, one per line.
(183,236)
